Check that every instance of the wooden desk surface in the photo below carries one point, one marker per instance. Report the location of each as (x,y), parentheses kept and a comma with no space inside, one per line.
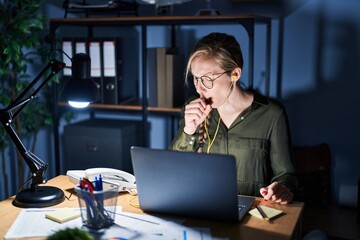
(288,226)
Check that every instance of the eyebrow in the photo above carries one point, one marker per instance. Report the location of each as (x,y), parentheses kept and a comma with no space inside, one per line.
(209,73)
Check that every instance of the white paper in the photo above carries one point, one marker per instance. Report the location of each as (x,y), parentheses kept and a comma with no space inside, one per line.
(32,223)
(139,226)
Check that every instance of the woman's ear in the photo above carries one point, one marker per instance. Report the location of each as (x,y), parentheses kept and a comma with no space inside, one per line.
(235,74)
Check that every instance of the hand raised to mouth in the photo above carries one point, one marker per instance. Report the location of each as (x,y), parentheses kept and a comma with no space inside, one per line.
(195,113)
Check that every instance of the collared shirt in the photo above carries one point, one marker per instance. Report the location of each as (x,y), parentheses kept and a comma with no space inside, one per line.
(258,138)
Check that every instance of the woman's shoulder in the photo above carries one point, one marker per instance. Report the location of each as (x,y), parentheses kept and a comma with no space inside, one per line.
(271,104)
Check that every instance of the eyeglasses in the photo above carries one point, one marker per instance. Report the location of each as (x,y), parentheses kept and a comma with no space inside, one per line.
(207,81)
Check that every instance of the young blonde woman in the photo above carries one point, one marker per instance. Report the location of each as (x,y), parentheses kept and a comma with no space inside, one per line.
(227,119)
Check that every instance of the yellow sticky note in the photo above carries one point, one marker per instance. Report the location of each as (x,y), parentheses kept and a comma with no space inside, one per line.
(63,215)
(270,212)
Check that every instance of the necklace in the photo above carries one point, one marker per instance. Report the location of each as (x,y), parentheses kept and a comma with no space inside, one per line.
(210,143)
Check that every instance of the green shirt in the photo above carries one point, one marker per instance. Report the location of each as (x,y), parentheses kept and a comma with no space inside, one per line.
(258,138)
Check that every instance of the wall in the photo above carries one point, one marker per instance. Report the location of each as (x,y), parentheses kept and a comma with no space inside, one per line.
(321,81)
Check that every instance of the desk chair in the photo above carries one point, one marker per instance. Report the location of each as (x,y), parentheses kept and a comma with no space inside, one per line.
(313,169)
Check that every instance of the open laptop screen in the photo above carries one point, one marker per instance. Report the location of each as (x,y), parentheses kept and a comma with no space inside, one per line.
(186,183)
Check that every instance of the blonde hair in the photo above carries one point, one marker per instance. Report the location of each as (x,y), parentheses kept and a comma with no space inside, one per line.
(222,47)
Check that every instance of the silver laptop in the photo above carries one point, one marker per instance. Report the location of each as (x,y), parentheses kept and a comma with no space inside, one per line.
(188,184)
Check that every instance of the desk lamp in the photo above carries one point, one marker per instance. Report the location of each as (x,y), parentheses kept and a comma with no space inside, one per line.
(80,88)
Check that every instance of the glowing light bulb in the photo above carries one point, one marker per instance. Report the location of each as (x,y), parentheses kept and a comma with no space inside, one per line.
(78,104)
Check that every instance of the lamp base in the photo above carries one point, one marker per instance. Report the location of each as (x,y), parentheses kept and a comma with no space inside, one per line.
(38,197)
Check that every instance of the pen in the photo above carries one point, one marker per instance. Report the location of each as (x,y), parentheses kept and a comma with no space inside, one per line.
(262,213)
(85,182)
(100,183)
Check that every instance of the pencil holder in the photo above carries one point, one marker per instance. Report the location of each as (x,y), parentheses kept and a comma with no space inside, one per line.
(98,208)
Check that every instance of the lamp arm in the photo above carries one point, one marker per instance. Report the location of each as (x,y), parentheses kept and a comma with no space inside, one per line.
(36,165)
(19,103)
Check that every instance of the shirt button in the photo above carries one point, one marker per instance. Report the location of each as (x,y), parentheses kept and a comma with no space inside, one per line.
(242,118)
(192,138)
(191,142)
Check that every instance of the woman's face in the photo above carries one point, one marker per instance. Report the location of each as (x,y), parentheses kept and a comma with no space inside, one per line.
(205,66)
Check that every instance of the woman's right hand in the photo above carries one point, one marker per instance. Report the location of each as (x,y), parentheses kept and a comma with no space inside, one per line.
(195,113)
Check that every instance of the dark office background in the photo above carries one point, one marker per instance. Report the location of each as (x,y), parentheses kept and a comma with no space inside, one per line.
(316,76)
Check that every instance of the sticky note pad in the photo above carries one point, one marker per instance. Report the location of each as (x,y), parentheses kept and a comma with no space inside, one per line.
(63,215)
(270,212)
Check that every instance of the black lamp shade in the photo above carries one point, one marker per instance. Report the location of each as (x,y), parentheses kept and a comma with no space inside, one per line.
(80,87)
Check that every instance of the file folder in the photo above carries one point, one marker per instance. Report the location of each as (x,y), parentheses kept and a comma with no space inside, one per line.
(109,80)
(95,56)
(67,47)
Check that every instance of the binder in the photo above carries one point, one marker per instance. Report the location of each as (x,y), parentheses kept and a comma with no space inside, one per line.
(151,76)
(109,70)
(67,47)
(94,53)
(156,67)
(161,77)
(165,67)
(80,46)
(95,56)
(175,92)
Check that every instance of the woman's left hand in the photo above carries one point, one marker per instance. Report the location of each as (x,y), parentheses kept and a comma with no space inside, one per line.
(277,192)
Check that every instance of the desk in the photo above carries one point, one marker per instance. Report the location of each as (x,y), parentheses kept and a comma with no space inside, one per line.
(288,226)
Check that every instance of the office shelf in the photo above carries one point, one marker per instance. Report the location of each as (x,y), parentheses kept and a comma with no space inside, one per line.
(141,107)
(135,108)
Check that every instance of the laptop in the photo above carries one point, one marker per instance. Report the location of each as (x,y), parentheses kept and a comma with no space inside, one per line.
(188,184)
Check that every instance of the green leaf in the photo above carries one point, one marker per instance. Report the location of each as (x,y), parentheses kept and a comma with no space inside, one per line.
(16,47)
(24,27)
(48,121)
(8,59)
(37,23)
(7,50)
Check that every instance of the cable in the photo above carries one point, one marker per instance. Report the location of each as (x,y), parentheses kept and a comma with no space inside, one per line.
(210,143)
(207,133)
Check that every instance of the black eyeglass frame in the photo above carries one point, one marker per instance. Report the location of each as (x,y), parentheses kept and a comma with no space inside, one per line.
(205,78)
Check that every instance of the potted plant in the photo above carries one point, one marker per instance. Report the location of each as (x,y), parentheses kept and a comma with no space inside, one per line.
(70,234)
(22,45)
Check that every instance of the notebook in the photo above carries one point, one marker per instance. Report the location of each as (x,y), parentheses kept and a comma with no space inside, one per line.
(188,184)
